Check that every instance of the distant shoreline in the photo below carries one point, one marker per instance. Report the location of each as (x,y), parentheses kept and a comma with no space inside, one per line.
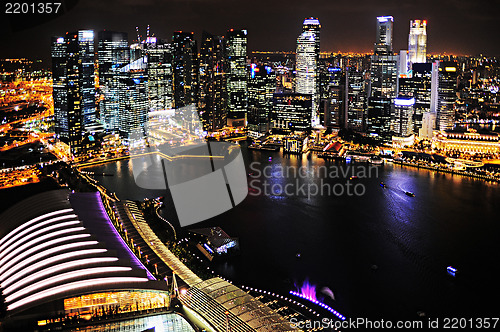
(449,171)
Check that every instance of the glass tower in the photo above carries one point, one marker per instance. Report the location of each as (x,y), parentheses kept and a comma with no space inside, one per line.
(237,77)
(417,41)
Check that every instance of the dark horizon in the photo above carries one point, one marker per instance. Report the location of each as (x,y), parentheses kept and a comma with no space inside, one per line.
(454,26)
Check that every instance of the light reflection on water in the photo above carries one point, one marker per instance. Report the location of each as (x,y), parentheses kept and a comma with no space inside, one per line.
(452,220)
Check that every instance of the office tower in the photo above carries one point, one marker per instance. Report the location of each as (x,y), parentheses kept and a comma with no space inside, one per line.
(383,81)
(261,86)
(422,91)
(355,99)
(133,97)
(87,76)
(447,88)
(212,100)
(291,112)
(331,96)
(306,70)
(378,122)
(404,68)
(59,86)
(74,86)
(417,41)
(383,44)
(113,53)
(185,68)
(159,74)
(312,24)
(237,77)
(402,122)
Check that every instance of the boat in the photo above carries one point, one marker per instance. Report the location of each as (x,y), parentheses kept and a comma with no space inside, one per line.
(409,193)
(376,160)
(451,271)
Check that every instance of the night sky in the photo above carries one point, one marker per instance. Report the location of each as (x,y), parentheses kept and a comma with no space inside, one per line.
(454,26)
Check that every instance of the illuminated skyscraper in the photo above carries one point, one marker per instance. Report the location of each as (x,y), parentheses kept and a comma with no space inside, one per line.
(447,95)
(185,68)
(261,86)
(87,76)
(417,41)
(113,53)
(402,121)
(306,68)
(307,79)
(74,86)
(237,77)
(212,100)
(159,74)
(383,84)
(355,99)
(383,44)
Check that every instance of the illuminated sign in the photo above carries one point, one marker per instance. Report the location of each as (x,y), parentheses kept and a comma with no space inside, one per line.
(382,19)
(60,40)
(452,69)
(404,102)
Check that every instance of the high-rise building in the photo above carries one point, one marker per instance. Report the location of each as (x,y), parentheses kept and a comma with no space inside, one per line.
(212,100)
(447,89)
(422,92)
(113,53)
(87,76)
(313,25)
(355,99)
(237,77)
(159,74)
(402,121)
(306,69)
(133,97)
(383,44)
(291,112)
(261,86)
(185,68)
(383,81)
(59,86)
(74,88)
(330,110)
(417,41)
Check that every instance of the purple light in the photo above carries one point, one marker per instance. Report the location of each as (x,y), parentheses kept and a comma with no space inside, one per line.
(308,292)
(119,238)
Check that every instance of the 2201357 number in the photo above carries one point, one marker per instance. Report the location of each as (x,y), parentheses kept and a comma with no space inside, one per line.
(32,8)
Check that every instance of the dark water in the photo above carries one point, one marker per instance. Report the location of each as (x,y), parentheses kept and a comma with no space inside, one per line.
(452,220)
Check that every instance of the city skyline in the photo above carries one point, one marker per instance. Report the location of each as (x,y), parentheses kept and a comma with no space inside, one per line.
(453,26)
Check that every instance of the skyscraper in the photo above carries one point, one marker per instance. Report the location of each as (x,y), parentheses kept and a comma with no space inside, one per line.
(212,100)
(133,97)
(87,76)
(159,74)
(383,44)
(307,64)
(113,53)
(306,69)
(417,41)
(185,68)
(402,121)
(383,81)
(261,86)
(447,89)
(237,77)
(74,86)
(355,99)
